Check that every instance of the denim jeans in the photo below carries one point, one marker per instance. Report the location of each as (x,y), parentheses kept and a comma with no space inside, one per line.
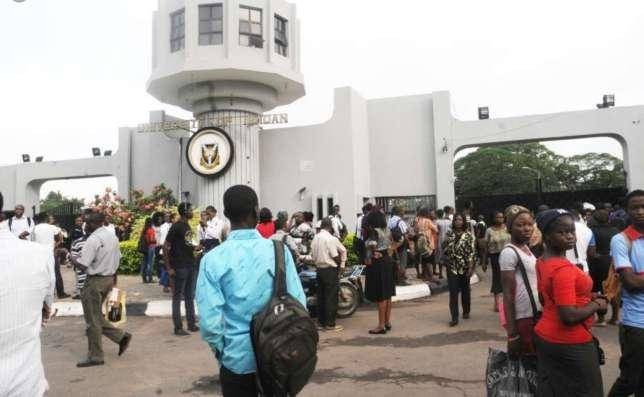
(146,265)
(185,279)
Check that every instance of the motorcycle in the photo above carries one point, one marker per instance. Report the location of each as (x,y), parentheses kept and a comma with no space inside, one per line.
(350,293)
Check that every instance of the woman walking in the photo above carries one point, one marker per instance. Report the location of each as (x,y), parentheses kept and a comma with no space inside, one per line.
(599,258)
(519,280)
(496,237)
(425,229)
(150,245)
(380,285)
(568,358)
(460,253)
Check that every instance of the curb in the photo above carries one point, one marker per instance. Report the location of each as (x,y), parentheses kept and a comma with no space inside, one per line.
(163,308)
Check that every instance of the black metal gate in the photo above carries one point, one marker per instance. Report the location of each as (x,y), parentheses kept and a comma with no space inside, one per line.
(486,205)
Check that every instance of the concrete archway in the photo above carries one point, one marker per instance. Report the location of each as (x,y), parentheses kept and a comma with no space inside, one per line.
(451,135)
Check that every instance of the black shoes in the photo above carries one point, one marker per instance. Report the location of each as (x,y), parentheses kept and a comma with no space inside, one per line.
(388,327)
(453,323)
(466,316)
(63,296)
(124,343)
(377,331)
(90,363)
(193,328)
(180,332)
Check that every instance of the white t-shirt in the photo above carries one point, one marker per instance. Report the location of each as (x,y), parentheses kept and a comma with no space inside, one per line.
(20,225)
(584,235)
(217,228)
(508,261)
(45,234)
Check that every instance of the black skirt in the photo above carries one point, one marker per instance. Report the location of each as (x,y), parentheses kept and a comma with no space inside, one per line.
(380,280)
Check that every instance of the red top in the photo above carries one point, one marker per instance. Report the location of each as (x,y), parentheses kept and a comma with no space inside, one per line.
(562,284)
(150,237)
(266,229)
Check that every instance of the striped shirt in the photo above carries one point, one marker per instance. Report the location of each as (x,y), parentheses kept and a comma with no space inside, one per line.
(28,281)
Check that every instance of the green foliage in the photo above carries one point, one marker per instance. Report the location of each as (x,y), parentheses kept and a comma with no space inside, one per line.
(352,257)
(56,200)
(130,258)
(508,169)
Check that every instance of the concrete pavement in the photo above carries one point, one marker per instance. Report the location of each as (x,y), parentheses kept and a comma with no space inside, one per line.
(422,356)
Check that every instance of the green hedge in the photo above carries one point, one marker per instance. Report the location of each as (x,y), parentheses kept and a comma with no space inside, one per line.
(130,258)
(352,257)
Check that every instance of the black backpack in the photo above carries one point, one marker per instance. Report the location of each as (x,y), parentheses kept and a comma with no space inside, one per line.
(396,232)
(285,339)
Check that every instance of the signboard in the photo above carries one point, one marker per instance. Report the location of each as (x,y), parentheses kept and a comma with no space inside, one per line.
(210,152)
(216,120)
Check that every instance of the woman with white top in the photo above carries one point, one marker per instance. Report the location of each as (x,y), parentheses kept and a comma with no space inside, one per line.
(518,265)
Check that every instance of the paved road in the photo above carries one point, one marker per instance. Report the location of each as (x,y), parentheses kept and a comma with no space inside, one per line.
(421,357)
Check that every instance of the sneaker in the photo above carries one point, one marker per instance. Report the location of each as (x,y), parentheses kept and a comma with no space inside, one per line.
(335,328)
(181,332)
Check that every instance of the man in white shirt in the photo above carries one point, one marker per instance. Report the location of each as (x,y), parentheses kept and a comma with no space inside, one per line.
(584,240)
(217,228)
(339,228)
(20,225)
(27,290)
(327,253)
(48,235)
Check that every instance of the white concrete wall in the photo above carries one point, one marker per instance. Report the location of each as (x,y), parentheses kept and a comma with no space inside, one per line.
(401,139)
(322,158)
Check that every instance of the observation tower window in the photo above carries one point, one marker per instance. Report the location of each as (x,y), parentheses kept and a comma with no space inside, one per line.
(211,24)
(178,30)
(250,27)
(281,36)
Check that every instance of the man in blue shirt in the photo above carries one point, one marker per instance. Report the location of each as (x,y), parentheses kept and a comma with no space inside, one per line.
(235,282)
(627,249)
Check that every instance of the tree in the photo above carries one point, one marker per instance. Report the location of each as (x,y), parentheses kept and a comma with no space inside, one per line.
(507,169)
(55,200)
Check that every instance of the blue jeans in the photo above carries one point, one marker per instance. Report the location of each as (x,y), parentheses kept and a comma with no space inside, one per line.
(184,287)
(146,265)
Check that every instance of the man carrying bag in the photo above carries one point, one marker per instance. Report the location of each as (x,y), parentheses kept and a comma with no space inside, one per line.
(238,280)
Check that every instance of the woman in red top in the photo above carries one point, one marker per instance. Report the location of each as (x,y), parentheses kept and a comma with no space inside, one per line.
(568,359)
(266,226)
(149,248)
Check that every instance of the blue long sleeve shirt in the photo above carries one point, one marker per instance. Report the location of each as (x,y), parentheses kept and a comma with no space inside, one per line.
(235,282)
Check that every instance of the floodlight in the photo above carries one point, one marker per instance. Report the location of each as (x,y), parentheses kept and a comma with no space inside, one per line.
(26,158)
(484,113)
(96,151)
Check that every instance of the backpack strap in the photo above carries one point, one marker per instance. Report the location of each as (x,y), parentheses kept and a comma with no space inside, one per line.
(526,281)
(279,283)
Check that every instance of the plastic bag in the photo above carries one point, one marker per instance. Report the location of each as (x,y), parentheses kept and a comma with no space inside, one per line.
(507,377)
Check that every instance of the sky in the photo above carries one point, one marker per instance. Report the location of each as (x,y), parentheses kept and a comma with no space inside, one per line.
(73,71)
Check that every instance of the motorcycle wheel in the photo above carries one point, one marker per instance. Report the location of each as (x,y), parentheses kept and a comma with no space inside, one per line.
(348,300)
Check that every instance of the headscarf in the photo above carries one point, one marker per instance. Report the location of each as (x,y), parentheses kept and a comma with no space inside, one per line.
(512,212)
(546,218)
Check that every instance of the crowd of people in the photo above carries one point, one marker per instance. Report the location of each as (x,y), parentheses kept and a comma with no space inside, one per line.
(553,275)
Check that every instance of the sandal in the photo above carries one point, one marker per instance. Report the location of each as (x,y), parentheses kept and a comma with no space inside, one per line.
(377,331)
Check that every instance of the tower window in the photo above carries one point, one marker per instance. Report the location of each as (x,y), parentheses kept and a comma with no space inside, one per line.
(177,30)
(281,36)
(211,24)
(250,27)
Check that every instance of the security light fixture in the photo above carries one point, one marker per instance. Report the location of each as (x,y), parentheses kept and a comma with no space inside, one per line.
(26,158)
(39,159)
(107,153)
(445,148)
(484,113)
(607,102)
(96,151)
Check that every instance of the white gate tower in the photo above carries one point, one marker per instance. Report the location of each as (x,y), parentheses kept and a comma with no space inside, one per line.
(228,62)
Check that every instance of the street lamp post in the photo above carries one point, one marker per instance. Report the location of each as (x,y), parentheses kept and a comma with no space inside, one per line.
(539,184)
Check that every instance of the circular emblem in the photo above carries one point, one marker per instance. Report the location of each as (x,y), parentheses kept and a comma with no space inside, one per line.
(210,151)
